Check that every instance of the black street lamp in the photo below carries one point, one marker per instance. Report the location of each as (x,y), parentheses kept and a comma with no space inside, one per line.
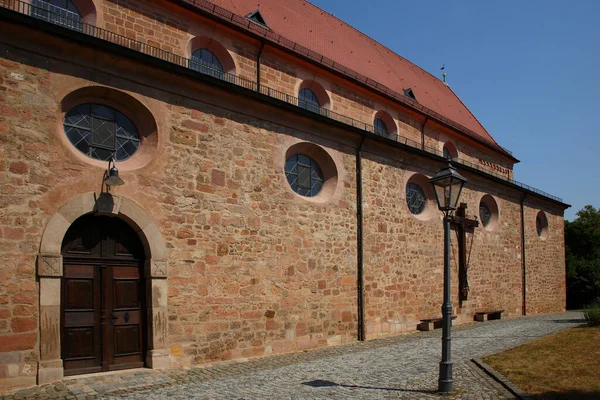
(447,185)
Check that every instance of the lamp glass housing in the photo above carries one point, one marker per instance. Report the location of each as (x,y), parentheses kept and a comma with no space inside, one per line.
(448,185)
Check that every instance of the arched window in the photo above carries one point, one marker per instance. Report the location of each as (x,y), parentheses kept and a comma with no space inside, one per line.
(101,132)
(381,128)
(308,100)
(450,151)
(60,12)
(205,61)
(303,175)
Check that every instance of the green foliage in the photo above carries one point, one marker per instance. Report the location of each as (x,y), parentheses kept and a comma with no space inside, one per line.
(592,314)
(582,242)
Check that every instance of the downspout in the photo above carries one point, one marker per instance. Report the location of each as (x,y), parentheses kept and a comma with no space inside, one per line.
(423,133)
(523,254)
(359,244)
(262,46)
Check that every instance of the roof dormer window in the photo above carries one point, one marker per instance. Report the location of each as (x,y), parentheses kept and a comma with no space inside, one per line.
(257,18)
(409,93)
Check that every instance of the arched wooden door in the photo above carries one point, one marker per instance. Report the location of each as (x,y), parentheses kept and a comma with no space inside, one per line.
(103,299)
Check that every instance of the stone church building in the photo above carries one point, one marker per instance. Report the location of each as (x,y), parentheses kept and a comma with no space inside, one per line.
(274,164)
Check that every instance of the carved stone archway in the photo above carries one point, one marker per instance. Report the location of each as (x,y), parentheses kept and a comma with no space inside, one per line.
(50,271)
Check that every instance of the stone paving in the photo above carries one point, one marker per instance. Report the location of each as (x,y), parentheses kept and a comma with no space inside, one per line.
(404,367)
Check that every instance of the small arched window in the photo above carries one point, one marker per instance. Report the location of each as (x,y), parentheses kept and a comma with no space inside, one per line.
(381,128)
(450,151)
(101,132)
(205,61)
(60,12)
(308,100)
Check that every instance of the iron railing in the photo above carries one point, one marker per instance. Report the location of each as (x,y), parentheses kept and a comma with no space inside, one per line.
(73,22)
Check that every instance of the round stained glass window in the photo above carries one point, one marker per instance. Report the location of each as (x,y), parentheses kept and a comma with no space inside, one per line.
(484,213)
(415,198)
(101,132)
(303,175)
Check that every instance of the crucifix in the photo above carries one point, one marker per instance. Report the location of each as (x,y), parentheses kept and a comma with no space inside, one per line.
(463,225)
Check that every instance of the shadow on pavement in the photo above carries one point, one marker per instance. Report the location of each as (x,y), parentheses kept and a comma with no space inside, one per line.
(569,321)
(323,383)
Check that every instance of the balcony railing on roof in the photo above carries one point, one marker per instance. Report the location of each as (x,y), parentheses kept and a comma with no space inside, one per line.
(74,23)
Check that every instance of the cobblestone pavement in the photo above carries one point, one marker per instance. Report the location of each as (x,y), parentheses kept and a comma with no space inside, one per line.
(404,367)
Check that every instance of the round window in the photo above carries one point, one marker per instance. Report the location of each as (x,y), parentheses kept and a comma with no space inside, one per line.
(485,214)
(541,225)
(415,198)
(303,175)
(488,212)
(101,132)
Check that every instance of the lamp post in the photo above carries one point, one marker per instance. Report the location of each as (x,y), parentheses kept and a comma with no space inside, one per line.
(447,185)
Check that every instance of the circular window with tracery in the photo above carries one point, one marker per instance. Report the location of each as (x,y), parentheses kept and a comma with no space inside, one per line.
(415,198)
(101,132)
(304,175)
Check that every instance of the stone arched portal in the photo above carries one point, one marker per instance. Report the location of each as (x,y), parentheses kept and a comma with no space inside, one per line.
(50,272)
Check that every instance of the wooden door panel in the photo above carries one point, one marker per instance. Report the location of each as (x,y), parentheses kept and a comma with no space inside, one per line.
(126,340)
(81,336)
(80,294)
(126,294)
(126,318)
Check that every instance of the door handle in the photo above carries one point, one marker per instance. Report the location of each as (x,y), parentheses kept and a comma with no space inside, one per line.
(126,316)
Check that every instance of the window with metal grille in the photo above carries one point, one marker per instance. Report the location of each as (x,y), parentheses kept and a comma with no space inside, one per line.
(205,61)
(59,12)
(101,132)
(381,128)
(303,175)
(484,213)
(415,198)
(308,100)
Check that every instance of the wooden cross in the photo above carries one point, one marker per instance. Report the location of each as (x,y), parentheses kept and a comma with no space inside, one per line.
(463,225)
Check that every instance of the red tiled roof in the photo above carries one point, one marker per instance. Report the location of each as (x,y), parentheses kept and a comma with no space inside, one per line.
(321,32)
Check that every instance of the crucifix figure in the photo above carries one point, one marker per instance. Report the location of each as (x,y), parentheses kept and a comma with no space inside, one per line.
(463,225)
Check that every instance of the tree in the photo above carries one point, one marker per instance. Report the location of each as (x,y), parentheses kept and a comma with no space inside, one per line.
(582,242)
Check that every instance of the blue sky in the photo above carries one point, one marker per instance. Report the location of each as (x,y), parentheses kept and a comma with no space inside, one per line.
(528,70)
